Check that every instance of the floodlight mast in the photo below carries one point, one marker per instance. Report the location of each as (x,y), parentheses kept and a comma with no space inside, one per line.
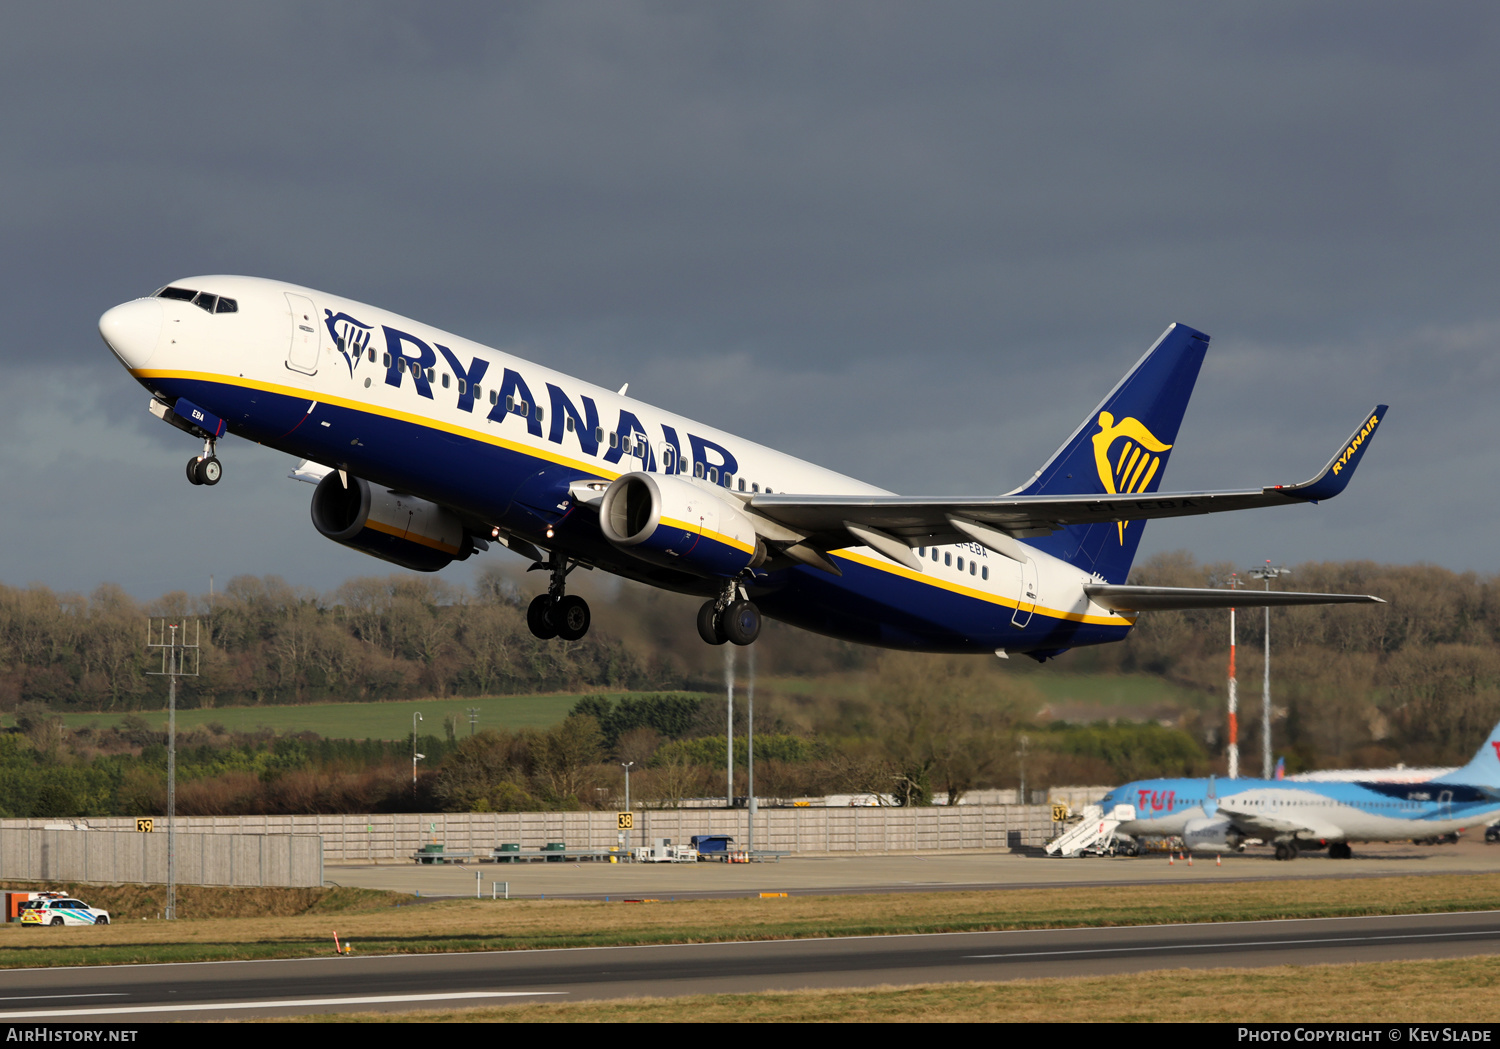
(1234,698)
(176,653)
(1267,573)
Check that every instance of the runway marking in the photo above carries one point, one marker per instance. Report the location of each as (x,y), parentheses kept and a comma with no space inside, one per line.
(279,1004)
(1244,943)
(97,994)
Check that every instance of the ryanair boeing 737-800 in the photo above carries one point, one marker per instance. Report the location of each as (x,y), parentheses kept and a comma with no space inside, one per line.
(426,447)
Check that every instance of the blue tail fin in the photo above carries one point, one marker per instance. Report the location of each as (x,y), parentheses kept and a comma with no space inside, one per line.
(1484,769)
(1122,446)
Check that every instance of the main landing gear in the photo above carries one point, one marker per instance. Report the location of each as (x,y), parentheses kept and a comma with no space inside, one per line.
(557,613)
(731,616)
(1286,850)
(205,468)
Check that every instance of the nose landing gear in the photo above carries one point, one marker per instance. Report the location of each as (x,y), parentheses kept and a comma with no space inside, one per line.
(557,613)
(205,468)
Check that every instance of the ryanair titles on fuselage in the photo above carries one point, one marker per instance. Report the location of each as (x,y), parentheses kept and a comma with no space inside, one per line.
(408,357)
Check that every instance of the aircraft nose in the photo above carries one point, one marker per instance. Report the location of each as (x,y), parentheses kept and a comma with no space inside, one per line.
(132,330)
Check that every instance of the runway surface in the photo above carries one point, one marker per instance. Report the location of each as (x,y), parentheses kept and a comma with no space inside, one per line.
(204,991)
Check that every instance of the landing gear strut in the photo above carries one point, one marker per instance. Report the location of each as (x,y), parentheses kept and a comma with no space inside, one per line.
(205,468)
(731,616)
(558,613)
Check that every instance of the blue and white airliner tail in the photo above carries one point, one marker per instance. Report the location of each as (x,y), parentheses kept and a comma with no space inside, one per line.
(1218,815)
(426,448)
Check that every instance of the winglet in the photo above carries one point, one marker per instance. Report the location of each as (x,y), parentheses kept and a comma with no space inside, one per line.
(1335,476)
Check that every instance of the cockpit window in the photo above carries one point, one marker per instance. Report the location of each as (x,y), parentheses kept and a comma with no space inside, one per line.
(206,301)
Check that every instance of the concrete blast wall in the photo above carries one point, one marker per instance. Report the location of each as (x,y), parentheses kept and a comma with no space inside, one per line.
(377,838)
(128,856)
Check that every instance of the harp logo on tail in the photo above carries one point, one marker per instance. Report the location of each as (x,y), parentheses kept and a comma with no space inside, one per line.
(1127,457)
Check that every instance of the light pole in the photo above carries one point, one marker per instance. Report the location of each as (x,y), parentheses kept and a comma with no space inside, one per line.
(179,658)
(415,717)
(1234,699)
(1267,573)
(750,757)
(626,765)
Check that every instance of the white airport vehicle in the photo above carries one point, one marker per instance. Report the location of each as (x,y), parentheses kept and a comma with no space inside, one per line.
(663,851)
(61,910)
(426,447)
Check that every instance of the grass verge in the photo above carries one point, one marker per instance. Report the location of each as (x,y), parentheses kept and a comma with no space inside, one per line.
(485,925)
(1453,991)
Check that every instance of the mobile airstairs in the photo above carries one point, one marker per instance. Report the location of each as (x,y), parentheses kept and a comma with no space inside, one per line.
(1095,832)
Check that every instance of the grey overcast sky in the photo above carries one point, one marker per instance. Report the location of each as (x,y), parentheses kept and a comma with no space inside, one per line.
(913,241)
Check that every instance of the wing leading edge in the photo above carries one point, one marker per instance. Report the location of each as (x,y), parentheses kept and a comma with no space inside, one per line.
(825,521)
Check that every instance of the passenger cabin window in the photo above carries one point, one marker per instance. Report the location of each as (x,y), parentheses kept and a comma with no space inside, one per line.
(713,475)
(742,484)
(984,573)
(947,559)
(372,355)
(445,380)
(697,469)
(568,422)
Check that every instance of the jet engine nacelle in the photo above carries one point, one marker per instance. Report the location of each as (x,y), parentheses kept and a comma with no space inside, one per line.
(668,520)
(1212,835)
(401,529)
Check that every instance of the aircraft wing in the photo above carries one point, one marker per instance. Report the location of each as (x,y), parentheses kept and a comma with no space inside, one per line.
(834,521)
(1264,825)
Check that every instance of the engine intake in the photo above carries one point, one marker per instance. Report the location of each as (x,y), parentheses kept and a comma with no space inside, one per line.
(401,529)
(1214,834)
(672,521)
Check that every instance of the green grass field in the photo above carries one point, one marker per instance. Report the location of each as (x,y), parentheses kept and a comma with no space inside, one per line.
(1114,690)
(1114,695)
(388,720)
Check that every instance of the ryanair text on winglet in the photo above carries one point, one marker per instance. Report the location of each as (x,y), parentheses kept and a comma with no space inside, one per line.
(1359,439)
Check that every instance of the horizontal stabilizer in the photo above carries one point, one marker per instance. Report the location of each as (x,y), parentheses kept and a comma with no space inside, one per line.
(1174,598)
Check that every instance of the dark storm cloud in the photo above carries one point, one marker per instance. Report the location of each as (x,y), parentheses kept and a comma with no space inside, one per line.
(913,241)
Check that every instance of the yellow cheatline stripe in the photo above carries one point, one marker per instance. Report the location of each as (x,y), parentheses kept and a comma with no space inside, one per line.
(402,533)
(882,565)
(708,533)
(597,469)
